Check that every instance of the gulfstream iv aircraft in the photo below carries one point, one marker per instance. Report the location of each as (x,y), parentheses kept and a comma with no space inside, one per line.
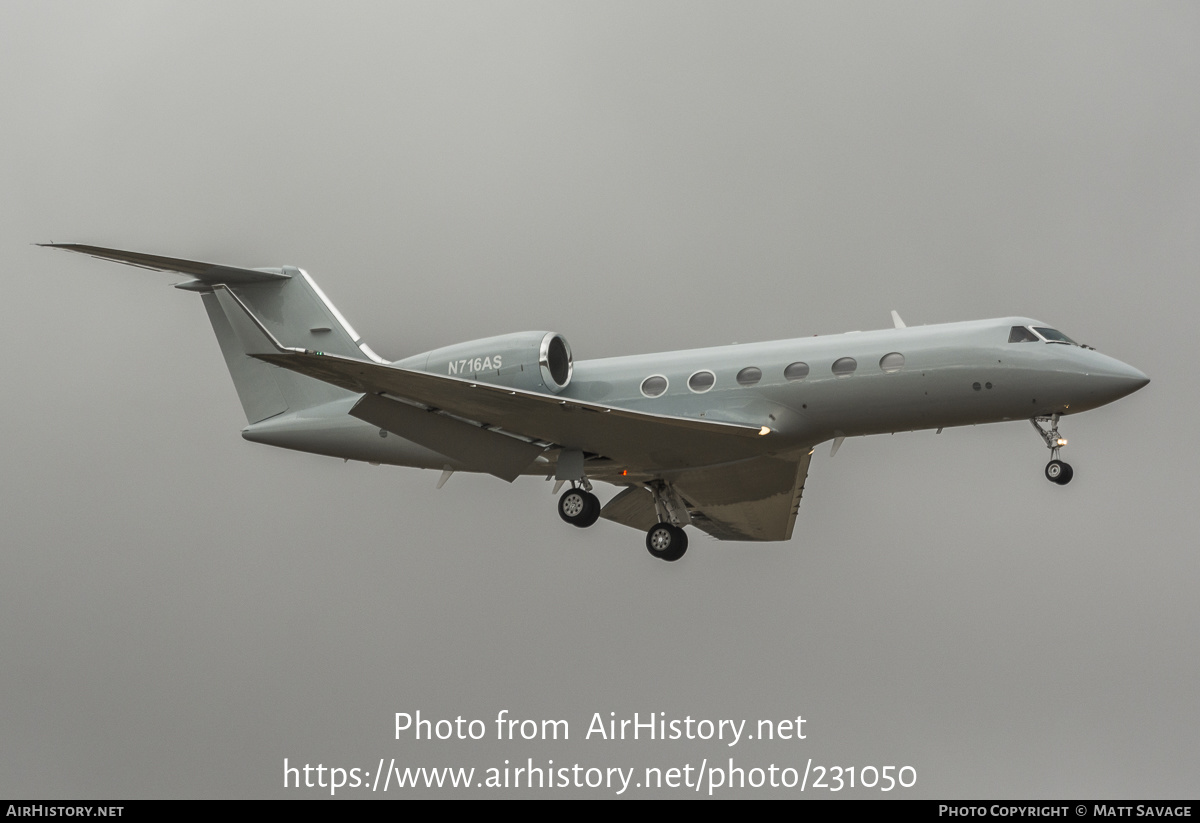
(717,438)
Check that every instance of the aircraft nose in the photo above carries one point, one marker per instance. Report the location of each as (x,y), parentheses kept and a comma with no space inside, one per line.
(1117,379)
(1136,379)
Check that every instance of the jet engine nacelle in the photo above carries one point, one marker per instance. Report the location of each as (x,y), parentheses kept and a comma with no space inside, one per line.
(532,360)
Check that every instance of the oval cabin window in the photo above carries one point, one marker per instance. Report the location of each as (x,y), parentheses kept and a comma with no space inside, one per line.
(844,367)
(893,362)
(654,385)
(749,376)
(796,371)
(701,381)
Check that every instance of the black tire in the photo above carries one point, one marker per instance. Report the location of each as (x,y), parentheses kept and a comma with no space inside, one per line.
(579,508)
(662,540)
(666,542)
(1056,470)
(592,513)
(679,551)
(1067,474)
(573,506)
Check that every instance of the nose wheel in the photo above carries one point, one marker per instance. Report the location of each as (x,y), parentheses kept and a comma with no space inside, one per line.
(1057,471)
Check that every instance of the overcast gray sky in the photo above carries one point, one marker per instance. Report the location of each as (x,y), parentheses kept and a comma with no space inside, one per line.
(180,610)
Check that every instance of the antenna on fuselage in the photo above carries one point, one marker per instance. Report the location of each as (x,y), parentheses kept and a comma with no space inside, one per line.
(897,321)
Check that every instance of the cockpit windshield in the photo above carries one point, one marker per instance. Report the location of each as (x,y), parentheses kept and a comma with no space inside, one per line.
(1054,336)
(1020,334)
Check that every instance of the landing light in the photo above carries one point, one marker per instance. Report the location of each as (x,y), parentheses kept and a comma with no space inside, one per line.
(1062,441)
(764,430)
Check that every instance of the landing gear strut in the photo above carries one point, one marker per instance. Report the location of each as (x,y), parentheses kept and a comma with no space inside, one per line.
(1056,470)
(579,507)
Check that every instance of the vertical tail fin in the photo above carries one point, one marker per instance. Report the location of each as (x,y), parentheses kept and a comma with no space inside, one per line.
(297,314)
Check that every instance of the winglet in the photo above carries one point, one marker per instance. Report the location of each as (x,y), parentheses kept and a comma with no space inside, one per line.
(897,321)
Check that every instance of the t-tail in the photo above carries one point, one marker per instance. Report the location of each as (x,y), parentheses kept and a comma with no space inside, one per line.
(288,304)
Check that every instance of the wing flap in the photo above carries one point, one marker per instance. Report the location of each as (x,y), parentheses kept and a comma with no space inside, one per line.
(755,499)
(633,507)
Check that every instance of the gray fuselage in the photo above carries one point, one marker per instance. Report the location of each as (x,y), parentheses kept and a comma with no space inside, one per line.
(951,374)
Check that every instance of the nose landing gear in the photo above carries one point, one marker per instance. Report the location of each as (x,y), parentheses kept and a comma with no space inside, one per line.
(1057,471)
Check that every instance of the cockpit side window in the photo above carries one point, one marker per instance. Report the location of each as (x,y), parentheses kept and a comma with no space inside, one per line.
(1054,336)
(1020,334)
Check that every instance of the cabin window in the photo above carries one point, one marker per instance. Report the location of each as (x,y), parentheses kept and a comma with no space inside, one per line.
(891,363)
(701,381)
(844,367)
(749,376)
(796,371)
(654,385)
(1020,334)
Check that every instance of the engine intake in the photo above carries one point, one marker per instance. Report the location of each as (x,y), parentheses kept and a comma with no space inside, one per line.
(555,361)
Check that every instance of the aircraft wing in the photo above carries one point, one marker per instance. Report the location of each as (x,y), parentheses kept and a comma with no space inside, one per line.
(754,499)
(638,440)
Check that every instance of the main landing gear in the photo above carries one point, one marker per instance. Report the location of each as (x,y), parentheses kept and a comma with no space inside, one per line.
(666,539)
(1056,470)
(666,542)
(579,507)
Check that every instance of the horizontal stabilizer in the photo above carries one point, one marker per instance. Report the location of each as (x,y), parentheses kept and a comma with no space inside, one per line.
(204,272)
